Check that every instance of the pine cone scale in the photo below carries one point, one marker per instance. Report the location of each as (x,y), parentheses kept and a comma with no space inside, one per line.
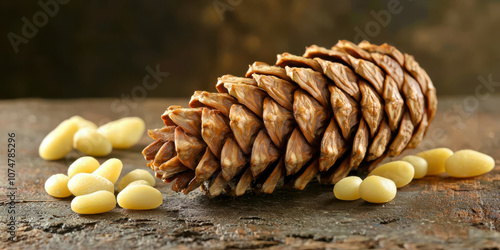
(333,146)
(189,148)
(306,176)
(380,142)
(371,73)
(394,103)
(263,153)
(152,149)
(315,51)
(166,133)
(346,111)
(188,119)
(414,98)
(403,136)
(245,126)
(214,126)
(419,133)
(298,152)
(391,67)
(311,117)
(233,159)
(278,89)
(250,96)
(219,101)
(287,59)
(278,121)
(171,168)
(371,107)
(360,144)
(274,178)
(207,166)
(266,69)
(343,77)
(165,153)
(312,82)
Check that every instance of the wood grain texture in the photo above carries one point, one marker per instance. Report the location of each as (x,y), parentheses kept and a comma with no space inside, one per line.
(433,212)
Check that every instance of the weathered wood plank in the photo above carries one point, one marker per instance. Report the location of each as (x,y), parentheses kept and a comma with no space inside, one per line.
(434,212)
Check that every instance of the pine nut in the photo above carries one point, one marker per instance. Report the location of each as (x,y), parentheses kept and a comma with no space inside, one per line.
(57,186)
(468,163)
(123,133)
(82,122)
(94,203)
(347,189)
(400,172)
(86,164)
(419,165)
(435,159)
(58,143)
(134,175)
(110,170)
(376,189)
(139,197)
(91,142)
(84,183)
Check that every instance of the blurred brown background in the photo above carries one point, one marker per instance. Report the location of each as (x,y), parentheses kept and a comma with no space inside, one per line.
(102,48)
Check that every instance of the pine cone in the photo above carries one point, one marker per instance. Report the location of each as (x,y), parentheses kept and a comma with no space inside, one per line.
(323,114)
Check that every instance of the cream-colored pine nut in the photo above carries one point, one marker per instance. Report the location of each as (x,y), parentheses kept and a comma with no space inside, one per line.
(376,189)
(84,183)
(110,169)
(418,163)
(139,197)
(57,186)
(347,189)
(435,159)
(94,203)
(134,175)
(123,133)
(59,142)
(91,142)
(400,172)
(468,163)
(86,164)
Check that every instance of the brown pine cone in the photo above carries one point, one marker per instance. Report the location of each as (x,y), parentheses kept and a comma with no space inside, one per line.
(322,114)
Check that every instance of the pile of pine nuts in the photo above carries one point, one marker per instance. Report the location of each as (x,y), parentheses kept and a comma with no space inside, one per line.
(83,135)
(382,183)
(94,187)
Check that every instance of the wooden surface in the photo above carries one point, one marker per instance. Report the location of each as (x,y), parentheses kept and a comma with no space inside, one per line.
(434,212)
